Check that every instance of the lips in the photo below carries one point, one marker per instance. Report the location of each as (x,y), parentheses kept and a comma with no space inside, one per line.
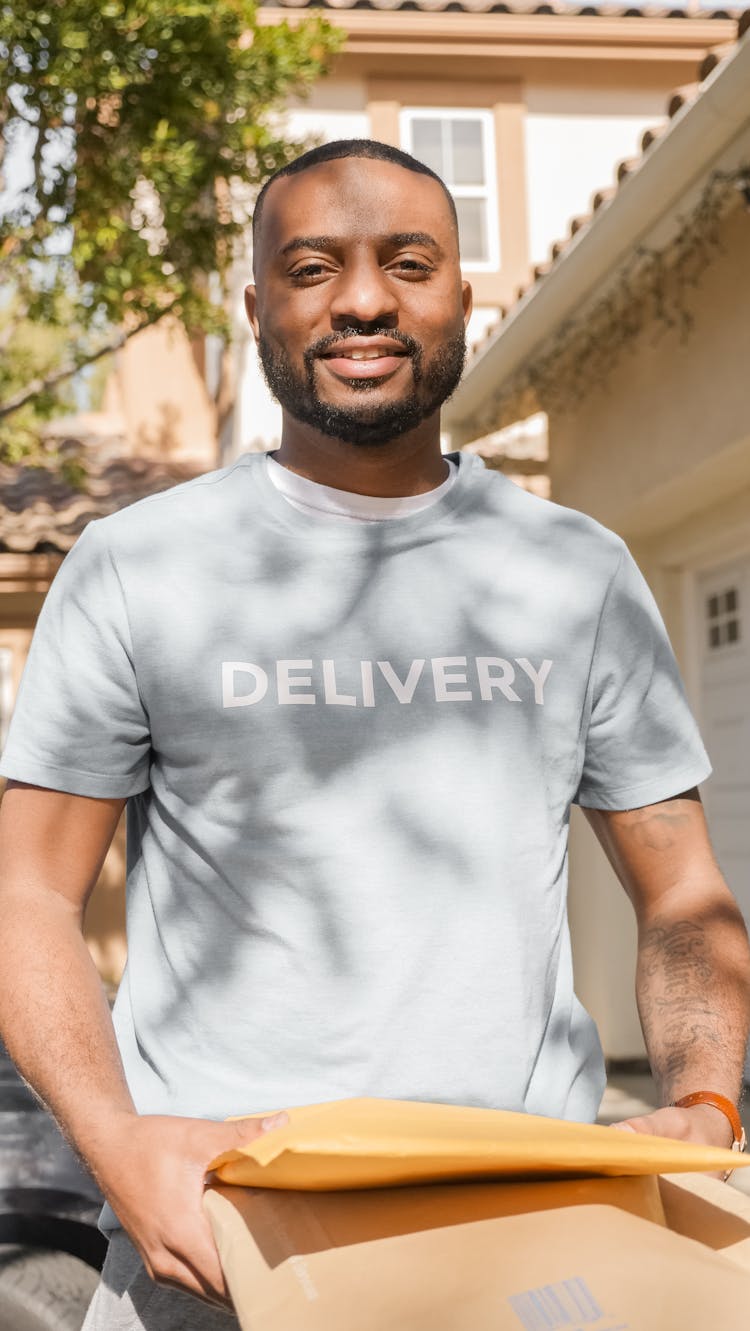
(364,358)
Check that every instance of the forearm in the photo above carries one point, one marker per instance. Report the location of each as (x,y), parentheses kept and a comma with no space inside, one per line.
(54,1017)
(693,991)
(55,1020)
(56,1023)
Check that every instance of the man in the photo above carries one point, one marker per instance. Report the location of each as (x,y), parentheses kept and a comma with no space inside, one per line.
(349,693)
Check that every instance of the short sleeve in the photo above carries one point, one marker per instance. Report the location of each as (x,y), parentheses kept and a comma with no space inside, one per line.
(641,743)
(79,724)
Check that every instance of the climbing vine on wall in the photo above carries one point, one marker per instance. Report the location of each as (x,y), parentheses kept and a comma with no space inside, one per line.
(652,291)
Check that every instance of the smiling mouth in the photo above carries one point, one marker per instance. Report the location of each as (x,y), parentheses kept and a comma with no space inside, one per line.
(373,362)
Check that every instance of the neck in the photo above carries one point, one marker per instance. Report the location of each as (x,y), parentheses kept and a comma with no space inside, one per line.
(409,465)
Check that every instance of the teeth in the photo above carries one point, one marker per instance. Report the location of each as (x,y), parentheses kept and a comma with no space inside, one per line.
(365,354)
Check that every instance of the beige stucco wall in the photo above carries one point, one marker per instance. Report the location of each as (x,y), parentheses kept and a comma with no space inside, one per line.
(575,134)
(157,390)
(661,454)
(670,434)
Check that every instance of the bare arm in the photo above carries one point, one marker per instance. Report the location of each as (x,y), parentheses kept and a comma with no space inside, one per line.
(693,969)
(56,1024)
(52,847)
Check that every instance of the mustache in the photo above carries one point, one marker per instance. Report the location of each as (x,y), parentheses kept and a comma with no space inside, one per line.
(331,340)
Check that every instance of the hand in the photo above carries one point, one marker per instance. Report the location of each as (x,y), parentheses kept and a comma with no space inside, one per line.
(703,1124)
(153,1178)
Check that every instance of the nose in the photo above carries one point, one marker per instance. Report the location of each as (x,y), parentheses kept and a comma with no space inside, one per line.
(363,295)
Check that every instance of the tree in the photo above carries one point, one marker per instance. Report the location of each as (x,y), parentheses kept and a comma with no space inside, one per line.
(135,135)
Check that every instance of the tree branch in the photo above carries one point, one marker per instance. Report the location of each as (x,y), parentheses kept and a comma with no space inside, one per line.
(47,383)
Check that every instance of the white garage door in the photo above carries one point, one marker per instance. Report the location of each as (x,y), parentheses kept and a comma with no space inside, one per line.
(723,616)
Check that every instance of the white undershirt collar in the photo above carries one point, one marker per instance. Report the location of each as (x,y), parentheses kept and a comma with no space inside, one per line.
(323,500)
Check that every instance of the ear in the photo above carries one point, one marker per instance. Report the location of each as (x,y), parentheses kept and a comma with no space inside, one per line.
(467,299)
(251,308)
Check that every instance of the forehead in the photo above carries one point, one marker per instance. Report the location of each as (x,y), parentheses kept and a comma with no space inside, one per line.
(357,198)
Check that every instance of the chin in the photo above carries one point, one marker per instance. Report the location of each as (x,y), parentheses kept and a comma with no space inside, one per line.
(367,429)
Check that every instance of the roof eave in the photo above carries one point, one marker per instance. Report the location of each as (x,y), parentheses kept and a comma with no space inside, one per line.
(516,36)
(696,137)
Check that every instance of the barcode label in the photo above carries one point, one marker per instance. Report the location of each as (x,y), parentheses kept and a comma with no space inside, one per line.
(569,1304)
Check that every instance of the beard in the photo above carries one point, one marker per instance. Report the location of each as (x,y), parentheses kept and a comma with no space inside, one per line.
(361,422)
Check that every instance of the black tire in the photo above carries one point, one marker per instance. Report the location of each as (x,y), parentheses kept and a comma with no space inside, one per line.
(42,1290)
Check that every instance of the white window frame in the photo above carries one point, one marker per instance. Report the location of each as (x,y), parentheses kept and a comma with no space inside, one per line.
(721,617)
(488,192)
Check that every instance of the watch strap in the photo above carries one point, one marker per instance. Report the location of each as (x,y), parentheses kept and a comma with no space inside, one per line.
(724,1105)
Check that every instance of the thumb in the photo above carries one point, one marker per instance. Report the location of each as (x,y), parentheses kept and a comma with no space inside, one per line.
(623,1127)
(271,1121)
(243,1130)
(240,1132)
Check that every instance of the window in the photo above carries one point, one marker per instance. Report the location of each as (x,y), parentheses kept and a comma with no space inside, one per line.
(723,617)
(460,147)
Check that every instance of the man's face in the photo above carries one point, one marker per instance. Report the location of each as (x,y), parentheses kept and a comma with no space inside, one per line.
(359,308)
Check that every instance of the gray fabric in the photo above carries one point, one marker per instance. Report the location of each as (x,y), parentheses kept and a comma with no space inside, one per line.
(351,753)
(128,1300)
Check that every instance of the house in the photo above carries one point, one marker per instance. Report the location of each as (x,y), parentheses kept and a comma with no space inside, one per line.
(522,107)
(635,342)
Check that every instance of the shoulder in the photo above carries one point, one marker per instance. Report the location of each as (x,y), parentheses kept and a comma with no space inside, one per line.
(563,535)
(182,513)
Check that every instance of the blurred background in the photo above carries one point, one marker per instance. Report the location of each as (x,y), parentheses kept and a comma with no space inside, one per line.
(599,156)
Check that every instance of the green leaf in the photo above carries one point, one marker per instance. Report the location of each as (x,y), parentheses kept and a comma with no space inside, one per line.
(156,110)
(75,41)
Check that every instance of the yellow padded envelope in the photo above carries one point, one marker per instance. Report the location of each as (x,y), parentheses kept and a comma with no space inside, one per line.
(363,1143)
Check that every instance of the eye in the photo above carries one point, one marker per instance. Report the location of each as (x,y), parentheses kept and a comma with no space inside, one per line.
(417,267)
(307,272)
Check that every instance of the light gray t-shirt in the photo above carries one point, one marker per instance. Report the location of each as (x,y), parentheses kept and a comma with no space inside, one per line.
(350,752)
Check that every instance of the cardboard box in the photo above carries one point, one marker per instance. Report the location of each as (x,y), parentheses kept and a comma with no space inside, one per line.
(574,1256)
(579,1254)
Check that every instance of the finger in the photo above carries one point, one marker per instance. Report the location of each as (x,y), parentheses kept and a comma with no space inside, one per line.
(653,1125)
(666,1122)
(169,1271)
(247,1129)
(199,1272)
(188,1281)
(200,1277)
(199,1253)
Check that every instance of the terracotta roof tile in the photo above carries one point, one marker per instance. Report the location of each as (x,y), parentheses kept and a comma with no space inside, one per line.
(607,10)
(680,96)
(626,167)
(708,65)
(650,136)
(601,197)
(43,513)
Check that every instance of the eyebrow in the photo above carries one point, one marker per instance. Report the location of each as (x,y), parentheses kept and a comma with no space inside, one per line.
(396,238)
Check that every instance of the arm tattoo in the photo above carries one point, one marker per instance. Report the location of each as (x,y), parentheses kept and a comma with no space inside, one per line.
(676,986)
(660,826)
(681,947)
(657,828)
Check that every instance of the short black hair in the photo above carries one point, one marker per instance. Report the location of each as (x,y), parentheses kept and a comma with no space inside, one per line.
(332,152)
